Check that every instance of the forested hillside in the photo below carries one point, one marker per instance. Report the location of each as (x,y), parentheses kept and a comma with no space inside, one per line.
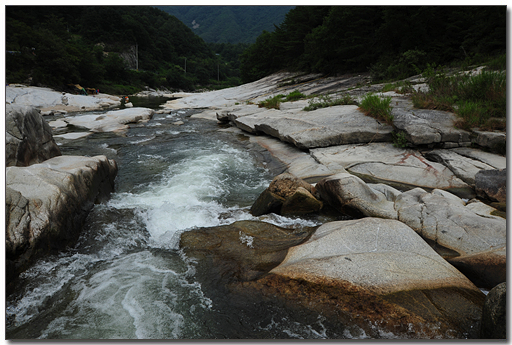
(389,41)
(115,48)
(229,24)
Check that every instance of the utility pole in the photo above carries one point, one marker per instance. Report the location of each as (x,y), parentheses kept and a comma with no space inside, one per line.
(185,65)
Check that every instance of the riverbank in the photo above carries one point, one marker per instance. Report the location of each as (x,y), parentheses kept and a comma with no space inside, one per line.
(408,201)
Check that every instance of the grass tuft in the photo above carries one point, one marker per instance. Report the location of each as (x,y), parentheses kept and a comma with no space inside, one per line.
(377,107)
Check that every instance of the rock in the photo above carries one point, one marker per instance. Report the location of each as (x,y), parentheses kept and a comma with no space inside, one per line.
(494,315)
(47,203)
(494,160)
(343,191)
(48,99)
(443,218)
(286,195)
(495,141)
(492,184)
(111,121)
(463,167)
(379,275)
(301,202)
(28,138)
(297,162)
(483,210)
(323,127)
(428,127)
(128,105)
(244,250)
(267,202)
(285,185)
(403,169)
(485,269)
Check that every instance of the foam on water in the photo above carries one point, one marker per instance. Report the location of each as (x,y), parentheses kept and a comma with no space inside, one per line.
(192,193)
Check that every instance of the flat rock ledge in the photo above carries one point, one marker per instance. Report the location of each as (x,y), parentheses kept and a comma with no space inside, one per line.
(50,101)
(47,203)
(111,121)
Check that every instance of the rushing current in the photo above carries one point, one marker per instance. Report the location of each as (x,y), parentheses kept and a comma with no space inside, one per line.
(126,277)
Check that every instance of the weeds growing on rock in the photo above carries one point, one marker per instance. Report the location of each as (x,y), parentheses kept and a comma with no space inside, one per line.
(377,107)
(324,101)
(294,96)
(271,102)
(403,87)
(399,139)
(275,102)
(479,100)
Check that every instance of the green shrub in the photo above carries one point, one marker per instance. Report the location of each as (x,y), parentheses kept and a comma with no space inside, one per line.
(271,102)
(294,96)
(498,63)
(399,139)
(476,99)
(324,101)
(377,107)
(402,86)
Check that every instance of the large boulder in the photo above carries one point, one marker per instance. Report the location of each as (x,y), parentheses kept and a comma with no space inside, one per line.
(287,195)
(379,275)
(401,168)
(28,138)
(447,221)
(492,184)
(444,218)
(47,203)
(346,193)
(494,316)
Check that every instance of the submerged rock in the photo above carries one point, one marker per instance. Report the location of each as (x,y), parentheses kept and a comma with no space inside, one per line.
(47,203)
(377,274)
(28,138)
(242,251)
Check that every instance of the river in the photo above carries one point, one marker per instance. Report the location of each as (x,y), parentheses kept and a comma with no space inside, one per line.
(126,277)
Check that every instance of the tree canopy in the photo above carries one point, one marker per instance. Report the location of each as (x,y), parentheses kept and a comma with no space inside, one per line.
(388,41)
(109,47)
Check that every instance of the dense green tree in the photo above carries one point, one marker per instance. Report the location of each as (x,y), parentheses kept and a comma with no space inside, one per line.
(388,41)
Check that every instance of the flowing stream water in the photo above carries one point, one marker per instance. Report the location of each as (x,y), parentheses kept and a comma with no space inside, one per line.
(126,277)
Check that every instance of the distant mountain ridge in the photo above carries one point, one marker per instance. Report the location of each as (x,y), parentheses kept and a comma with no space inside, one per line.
(229,24)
